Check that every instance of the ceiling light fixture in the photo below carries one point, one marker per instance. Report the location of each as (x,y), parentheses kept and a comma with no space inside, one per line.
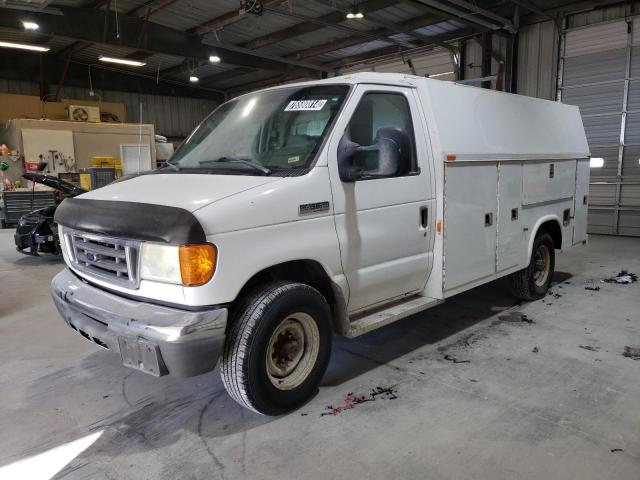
(596,162)
(214,59)
(24,46)
(123,61)
(354,12)
(30,25)
(194,79)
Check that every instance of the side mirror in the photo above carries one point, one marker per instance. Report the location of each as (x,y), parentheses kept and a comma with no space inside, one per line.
(346,154)
(393,145)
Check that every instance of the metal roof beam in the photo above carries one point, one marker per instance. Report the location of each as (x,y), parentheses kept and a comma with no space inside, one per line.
(228,18)
(469,13)
(381,33)
(390,52)
(391,26)
(25,66)
(332,46)
(310,24)
(150,8)
(87,25)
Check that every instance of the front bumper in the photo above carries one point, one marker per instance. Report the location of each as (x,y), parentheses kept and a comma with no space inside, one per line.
(155,339)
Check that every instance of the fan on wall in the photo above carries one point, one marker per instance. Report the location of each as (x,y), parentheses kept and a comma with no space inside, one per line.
(84,113)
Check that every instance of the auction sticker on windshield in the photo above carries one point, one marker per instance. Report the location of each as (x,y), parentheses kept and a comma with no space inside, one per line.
(304,105)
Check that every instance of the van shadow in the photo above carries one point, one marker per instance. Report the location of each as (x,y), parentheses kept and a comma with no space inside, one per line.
(140,413)
(137,413)
(354,357)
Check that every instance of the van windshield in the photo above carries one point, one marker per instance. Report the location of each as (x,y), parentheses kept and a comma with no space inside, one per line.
(275,132)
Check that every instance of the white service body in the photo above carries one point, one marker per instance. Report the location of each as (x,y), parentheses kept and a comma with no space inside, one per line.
(493,168)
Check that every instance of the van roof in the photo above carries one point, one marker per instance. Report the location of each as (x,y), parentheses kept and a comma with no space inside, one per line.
(481,124)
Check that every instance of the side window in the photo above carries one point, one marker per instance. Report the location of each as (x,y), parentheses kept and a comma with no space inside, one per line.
(377,110)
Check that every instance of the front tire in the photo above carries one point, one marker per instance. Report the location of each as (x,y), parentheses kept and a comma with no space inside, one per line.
(532,283)
(278,347)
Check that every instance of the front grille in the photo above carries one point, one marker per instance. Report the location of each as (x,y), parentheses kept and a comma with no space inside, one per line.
(114,260)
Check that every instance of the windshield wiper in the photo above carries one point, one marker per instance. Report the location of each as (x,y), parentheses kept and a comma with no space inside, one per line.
(171,166)
(249,163)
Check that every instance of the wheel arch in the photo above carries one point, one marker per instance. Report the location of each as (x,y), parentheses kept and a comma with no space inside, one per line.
(551,225)
(309,272)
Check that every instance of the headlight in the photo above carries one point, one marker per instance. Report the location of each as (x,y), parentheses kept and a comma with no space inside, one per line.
(188,265)
(160,263)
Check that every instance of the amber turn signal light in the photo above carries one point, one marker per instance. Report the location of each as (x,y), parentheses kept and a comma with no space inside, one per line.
(197,264)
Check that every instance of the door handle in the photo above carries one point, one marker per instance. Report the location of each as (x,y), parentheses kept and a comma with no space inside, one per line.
(424,217)
(488,219)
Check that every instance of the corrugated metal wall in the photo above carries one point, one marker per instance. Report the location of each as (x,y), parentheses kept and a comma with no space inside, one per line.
(437,62)
(172,116)
(537,60)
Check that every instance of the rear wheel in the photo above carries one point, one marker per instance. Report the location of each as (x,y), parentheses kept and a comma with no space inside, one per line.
(532,283)
(278,348)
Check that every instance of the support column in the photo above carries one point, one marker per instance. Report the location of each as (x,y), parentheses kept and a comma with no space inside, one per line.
(486,58)
(462,67)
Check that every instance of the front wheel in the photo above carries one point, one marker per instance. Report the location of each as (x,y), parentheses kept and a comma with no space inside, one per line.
(278,348)
(532,283)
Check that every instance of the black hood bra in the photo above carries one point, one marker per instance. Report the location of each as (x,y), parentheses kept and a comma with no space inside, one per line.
(131,220)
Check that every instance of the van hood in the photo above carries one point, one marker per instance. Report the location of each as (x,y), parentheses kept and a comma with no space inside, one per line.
(188,191)
(54,182)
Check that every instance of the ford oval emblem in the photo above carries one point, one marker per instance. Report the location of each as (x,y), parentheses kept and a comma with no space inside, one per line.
(90,256)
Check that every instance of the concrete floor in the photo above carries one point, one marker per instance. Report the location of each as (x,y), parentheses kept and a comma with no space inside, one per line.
(508,413)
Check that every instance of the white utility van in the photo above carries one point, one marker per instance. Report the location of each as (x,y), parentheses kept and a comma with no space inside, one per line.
(328,207)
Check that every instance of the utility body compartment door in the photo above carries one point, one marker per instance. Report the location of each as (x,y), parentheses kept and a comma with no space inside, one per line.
(511,236)
(384,225)
(470,218)
(581,201)
(548,181)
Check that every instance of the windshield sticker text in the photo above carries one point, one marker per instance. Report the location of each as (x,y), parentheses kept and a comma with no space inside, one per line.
(304,105)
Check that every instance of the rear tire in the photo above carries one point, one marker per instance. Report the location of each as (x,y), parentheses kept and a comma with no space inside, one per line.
(278,347)
(532,283)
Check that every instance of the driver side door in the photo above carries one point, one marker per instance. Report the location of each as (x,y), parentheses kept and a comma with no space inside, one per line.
(383,224)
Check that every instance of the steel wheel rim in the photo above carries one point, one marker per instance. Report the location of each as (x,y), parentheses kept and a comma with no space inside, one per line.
(541,265)
(292,351)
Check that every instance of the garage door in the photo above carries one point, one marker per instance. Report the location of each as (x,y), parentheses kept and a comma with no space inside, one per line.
(600,72)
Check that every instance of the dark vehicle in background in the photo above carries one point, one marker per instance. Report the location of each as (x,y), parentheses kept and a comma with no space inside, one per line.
(37,232)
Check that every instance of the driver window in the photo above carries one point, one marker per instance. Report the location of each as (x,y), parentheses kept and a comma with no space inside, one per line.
(378,110)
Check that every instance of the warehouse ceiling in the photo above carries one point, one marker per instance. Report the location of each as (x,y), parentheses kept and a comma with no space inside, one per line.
(258,42)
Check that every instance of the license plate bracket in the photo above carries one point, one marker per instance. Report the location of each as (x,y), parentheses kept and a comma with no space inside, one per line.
(142,355)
